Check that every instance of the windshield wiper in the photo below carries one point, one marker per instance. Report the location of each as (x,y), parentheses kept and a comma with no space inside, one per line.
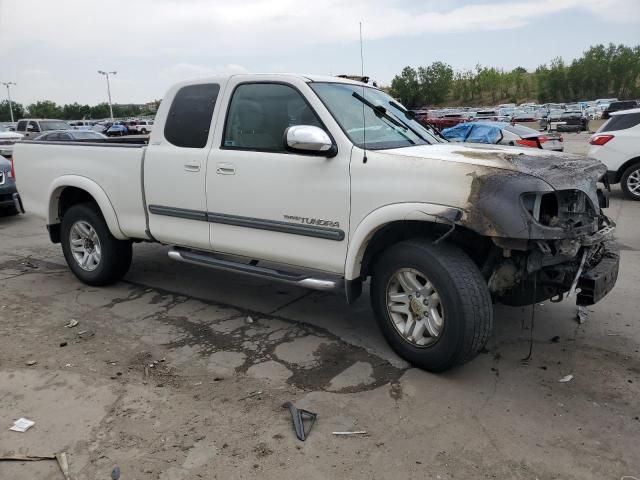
(411,115)
(381,112)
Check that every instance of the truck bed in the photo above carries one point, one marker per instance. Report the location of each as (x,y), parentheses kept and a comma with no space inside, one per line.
(113,165)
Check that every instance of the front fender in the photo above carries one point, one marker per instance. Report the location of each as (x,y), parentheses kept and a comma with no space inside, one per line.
(382,216)
(93,189)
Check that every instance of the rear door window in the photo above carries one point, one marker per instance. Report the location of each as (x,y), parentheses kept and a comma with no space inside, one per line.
(22,126)
(621,122)
(190,114)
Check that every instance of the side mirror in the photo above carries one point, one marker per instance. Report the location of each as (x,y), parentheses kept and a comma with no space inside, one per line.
(309,139)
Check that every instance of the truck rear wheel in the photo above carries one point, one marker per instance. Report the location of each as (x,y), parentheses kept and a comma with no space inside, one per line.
(431,303)
(94,255)
(630,182)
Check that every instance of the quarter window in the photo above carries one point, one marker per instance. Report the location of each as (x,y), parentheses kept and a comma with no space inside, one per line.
(621,122)
(189,117)
(259,114)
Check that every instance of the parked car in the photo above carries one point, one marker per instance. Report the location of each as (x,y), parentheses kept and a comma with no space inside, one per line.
(491,115)
(572,121)
(617,145)
(117,129)
(7,141)
(70,136)
(8,192)
(445,121)
(502,133)
(551,120)
(324,183)
(144,126)
(101,127)
(82,124)
(619,106)
(33,127)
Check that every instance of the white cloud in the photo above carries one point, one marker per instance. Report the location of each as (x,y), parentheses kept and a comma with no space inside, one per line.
(153,43)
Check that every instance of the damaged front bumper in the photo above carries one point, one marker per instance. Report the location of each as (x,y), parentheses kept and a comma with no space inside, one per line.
(598,280)
(554,270)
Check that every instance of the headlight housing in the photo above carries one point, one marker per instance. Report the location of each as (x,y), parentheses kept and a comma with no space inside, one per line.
(567,208)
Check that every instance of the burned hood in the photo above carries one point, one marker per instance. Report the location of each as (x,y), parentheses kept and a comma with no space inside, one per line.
(500,176)
(561,171)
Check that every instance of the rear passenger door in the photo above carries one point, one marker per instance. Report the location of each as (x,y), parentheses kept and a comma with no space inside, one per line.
(175,166)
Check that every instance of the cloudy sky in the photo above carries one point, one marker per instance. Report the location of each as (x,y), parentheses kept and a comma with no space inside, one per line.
(53,48)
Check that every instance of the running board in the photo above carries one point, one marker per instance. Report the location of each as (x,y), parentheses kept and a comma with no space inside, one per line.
(211,261)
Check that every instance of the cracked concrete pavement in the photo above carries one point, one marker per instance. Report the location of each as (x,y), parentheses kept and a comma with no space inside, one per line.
(180,372)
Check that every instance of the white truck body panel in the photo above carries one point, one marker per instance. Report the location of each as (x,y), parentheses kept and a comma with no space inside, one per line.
(114,170)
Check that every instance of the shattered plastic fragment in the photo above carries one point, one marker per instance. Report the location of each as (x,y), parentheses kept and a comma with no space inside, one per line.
(22,425)
(583,314)
(566,379)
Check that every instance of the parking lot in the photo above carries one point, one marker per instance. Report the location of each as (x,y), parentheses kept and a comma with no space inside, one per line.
(180,372)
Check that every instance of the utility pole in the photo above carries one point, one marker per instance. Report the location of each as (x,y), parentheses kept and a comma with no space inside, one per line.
(8,85)
(106,74)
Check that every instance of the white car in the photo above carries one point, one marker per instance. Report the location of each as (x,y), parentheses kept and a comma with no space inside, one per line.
(143,126)
(325,183)
(617,145)
(7,141)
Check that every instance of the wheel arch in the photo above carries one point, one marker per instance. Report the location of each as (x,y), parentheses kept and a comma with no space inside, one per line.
(70,190)
(392,223)
(623,168)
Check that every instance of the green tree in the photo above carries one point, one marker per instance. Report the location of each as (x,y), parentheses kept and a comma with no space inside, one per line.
(44,109)
(406,88)
(100,111)
(75,111)
(435,82)
(5,114)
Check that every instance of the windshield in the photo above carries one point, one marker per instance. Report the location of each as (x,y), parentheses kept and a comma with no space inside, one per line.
(371,118)
(54,125)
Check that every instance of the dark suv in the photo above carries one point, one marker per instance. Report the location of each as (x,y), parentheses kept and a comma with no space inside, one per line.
(617,106)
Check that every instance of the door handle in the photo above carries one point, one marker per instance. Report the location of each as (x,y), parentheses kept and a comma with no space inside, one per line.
(192,166)
(225,169)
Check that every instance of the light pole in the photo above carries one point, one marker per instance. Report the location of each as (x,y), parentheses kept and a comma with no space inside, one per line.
(106,74)
(8,85)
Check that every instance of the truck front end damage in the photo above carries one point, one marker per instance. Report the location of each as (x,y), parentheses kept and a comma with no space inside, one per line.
(551,238)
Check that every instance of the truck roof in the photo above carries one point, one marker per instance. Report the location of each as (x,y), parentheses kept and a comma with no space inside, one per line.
(256,76)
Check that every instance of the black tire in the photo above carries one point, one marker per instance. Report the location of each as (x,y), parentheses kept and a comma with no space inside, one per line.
(115,254)
(463,292)
(143,131)
(624,181)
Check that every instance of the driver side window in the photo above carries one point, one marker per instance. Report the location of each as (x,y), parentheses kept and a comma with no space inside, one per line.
(259,114)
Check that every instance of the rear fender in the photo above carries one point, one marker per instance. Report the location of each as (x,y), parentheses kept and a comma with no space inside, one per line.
(93,189)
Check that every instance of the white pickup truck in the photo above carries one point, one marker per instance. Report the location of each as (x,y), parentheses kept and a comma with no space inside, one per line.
(325,183)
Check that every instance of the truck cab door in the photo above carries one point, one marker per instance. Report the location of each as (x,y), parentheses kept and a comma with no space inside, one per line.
(266,202)
(175,166)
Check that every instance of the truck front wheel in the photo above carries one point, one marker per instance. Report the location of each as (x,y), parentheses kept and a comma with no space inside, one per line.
(94,255)
(431,303)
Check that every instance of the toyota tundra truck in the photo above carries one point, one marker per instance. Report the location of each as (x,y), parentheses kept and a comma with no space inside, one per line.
(331,184)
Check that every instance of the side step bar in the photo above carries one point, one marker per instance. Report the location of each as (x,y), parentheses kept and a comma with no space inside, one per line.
(211,261)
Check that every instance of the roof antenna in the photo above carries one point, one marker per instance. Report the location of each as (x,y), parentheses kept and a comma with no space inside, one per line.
(364,123)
